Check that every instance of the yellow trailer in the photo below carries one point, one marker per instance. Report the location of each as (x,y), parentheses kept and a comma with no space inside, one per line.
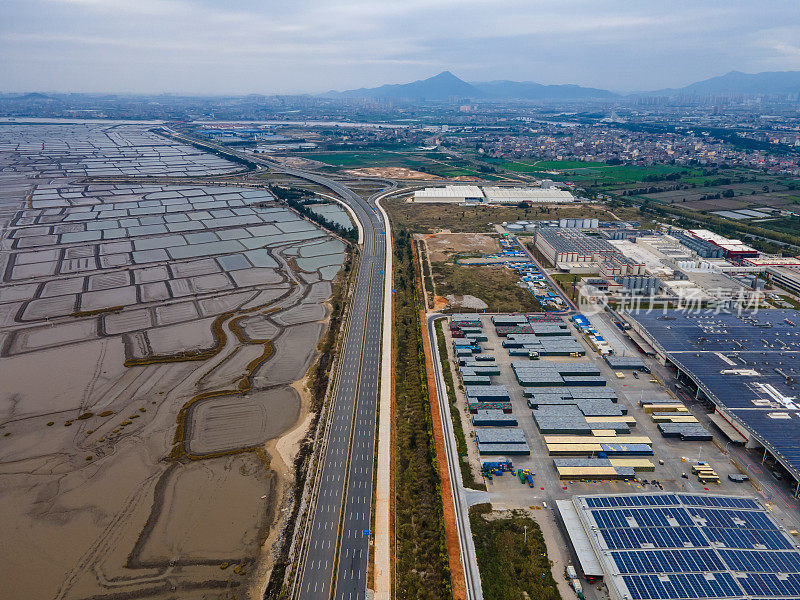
(677,408)
(562,449)
(702,469)
(618,419)
(708,478)
(587,473)
(586,439)
(603,433)
(677,418)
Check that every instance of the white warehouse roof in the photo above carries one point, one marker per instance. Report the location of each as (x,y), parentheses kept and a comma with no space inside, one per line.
(461,193)
(722,242)
(531,194)
(450,191)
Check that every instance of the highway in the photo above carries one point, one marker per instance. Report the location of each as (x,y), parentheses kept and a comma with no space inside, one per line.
(469,560)
(339,539)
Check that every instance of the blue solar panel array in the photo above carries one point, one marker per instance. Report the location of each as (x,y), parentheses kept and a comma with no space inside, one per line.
(761,562)
(659,537)
(721,501)
(641,517)
(660,500)
(708,345)
(668,561)
(684,546)
(771,585)
(733,538)
(688,585)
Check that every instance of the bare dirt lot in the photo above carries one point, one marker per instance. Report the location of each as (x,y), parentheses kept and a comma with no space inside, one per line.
(391,173)
(443,246)
(495,286)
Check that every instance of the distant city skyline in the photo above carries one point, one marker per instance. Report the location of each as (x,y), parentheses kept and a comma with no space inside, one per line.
(206,47)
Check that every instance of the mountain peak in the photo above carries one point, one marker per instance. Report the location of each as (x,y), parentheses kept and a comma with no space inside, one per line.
(445,75)
(443,86)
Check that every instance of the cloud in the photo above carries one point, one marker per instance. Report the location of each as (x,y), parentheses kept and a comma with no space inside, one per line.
(314,45)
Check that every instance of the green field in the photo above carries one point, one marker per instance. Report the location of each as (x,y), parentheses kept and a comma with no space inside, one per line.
(790,225)
(511,568)
(433,163)
(549,165)
(423,568)
(584,170)
(569,283)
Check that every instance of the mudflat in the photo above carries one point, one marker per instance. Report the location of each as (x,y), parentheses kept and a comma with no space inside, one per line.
(152,341)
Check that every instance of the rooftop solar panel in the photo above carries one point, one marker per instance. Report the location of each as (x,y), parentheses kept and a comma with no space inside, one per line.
(731,357)
(668,561)
(761,562)
(689,585)
(692,546)
(770,584)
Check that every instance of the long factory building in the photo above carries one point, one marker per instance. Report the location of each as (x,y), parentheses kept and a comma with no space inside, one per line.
(747,365)
(568,247)
(665,546)
(473,194)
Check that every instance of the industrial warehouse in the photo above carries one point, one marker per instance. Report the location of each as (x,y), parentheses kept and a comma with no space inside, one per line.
(570,249)
(672,545)
(746,365)
(673,266)
(472,194)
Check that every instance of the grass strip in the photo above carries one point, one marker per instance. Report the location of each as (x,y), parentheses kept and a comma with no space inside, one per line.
(422,565)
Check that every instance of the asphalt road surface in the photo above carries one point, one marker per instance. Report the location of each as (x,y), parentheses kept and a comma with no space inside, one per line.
(338,545)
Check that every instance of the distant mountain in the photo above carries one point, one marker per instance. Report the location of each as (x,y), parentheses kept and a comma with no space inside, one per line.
(446,86)
(736,82)
(35,96)
(443,86)
(529,90)
(31,99)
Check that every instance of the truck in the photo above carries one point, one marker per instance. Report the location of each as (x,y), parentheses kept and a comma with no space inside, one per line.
(571,572)
(702,468)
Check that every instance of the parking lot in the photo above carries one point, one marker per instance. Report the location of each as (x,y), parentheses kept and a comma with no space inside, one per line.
(677,456)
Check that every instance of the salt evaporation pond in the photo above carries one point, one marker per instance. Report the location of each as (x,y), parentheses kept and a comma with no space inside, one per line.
(334,213)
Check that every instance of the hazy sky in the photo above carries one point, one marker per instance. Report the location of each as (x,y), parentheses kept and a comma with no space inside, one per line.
(267,46)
